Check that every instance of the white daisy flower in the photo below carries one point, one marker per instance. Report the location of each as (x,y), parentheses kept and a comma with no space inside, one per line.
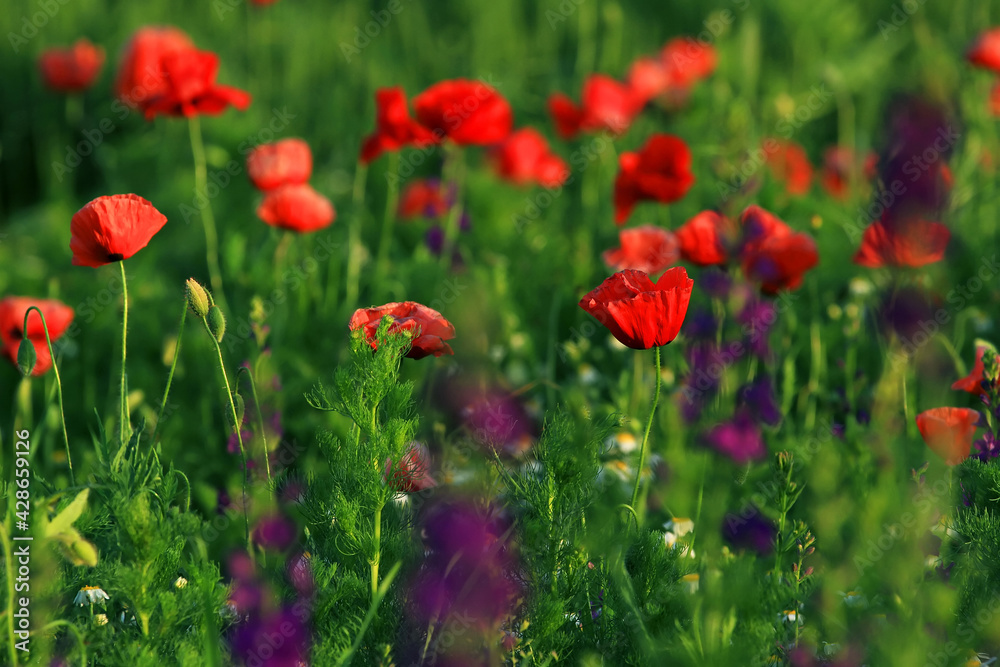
(690,582)
(91,595)
(679,526)
(790,616)
(980,659)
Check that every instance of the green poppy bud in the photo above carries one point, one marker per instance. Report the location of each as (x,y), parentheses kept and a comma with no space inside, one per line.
(216,323)
(26,357)
(198,298)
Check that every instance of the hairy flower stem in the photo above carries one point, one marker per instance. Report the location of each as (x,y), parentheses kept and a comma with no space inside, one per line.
(391,202)
(260,417)
(123,415)
(451,225)
(378,550)
(645,441)
(170,376)
(59,391)
(239,436)
(207,219)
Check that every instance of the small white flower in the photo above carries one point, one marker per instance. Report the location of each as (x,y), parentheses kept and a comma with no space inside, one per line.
(91,595)
(180,582)
(624,441)
(790,616)
(574,619)
(861,286)
(690,582)
(980,659)
(101,619)
(830,649)
(854,599)
(588,375)
(679,526)
(401,499)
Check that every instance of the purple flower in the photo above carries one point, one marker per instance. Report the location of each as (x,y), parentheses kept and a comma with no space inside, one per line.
(279,639)
(757,318)
(274,533)
(987,447)
(700,324)
(758,399)
(739,439)
(750,530)
(715,283)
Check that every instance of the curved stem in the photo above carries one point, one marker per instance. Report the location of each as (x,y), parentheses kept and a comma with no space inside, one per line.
(239,436)
(207,219)
(59,391)
(260,417)
(645,439)
(391,201)
(124,416)
(170,377)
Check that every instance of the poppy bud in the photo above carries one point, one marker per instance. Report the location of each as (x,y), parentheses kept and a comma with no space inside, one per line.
(26,357)
(240,408)
(216,323)
(198,298)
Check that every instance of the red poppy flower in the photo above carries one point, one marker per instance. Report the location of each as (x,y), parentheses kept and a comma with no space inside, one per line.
(467,112)
(687,61)
(985,51)
(112,228)
(285,162)
(394,129)
(429,327)
(296,207)
(914,243)
(191,89)
(422,198)
(649,249)
(790,165)
(702,239)
(606,104)
(524,157)
(661,171)
(638,312)
(772,253)
(412,473)
(140,75)
(58,316)
(949,432)
(973,382)
(840,165)
(73,69)
(647,78)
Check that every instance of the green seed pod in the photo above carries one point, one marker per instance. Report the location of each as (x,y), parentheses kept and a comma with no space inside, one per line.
(26,357)
(216,323)
(198,298)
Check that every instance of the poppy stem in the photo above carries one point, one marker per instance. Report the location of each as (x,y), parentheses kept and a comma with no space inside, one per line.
(207,219)
(59,391)
(645,440)
(391,202)
(236,428)
(170,376)
(378,551)
(451,225)
(260,417)
(123,415)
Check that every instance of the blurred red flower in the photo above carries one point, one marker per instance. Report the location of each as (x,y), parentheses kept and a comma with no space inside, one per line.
(58,316)
(660,171)
(789,164)
(422,197)
(647,248)
(985,51)
(647,78)
(606,104)
(413,472)
(191,89)
(429,327)
(638,312)
(973,382)
(140,76)
(702,239)
(73,69)
(772,254)
(467,112)
(394,129)
(840,165)
(524,157)
(297,207)
(910,243)
(112,228)
(285,162)
(686,61)
(949,432)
